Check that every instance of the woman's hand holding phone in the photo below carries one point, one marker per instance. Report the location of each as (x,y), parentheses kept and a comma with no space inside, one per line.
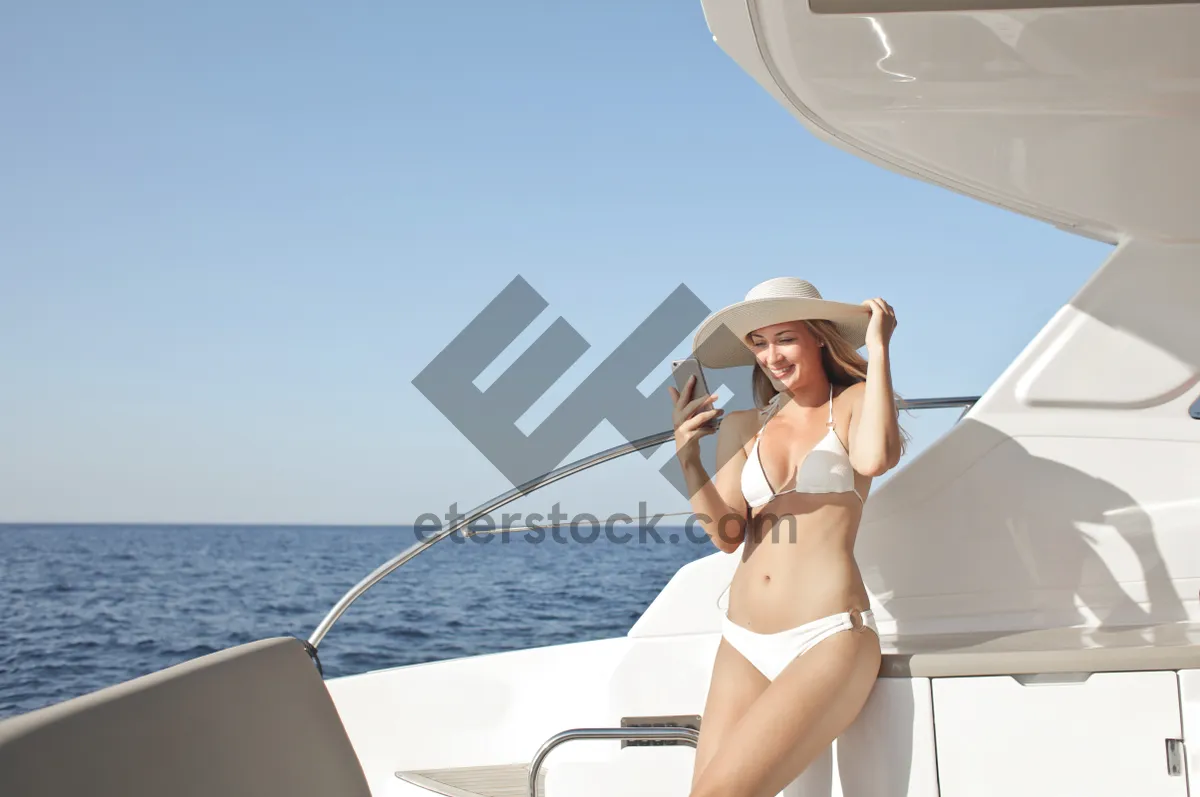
(690,420)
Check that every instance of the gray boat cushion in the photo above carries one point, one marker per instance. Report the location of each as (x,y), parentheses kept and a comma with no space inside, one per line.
(251,720)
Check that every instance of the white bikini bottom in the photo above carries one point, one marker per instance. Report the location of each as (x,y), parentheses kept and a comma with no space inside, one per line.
(770,653)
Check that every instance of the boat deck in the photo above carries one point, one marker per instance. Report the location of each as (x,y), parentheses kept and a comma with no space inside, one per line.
(500,780)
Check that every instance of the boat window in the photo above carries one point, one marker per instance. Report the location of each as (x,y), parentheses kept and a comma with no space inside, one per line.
(1194,410)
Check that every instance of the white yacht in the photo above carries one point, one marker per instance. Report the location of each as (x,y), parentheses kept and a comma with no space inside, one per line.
(1035,572)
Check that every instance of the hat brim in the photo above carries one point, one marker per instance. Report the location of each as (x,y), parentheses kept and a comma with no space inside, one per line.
(720,340)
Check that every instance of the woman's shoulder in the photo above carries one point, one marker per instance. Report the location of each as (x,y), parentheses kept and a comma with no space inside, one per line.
(851,393)
(846,402)
(748,422)
(742,423)
(744,416)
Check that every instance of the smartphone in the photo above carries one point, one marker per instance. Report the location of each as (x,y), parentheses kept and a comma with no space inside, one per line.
(682,370)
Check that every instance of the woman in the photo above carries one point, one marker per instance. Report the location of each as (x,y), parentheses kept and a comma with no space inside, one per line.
(789,490)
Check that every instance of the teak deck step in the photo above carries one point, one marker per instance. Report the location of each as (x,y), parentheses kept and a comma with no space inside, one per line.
(496,780)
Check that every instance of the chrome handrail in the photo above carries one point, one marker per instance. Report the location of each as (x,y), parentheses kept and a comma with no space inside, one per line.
(520,529)
(660,734)
(506,498)
(937,403)
(379,573)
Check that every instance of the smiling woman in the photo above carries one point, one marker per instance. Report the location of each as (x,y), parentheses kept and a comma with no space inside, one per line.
(784,674)
(839,359)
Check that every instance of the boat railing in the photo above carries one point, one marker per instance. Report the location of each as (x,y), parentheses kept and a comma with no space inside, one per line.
(688,736)
(558,474)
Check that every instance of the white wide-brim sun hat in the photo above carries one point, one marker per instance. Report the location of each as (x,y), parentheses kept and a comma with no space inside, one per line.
(775,301)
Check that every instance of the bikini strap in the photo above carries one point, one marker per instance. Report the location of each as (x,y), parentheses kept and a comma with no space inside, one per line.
(772,405)
(766,412)
(830,405)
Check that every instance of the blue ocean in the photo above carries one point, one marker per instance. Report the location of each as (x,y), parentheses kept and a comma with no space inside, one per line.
(83,607)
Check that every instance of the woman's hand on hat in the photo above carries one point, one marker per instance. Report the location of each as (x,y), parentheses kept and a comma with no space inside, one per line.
(882,324)
(690,427)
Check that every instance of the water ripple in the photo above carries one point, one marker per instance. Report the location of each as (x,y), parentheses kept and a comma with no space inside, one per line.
(90,606)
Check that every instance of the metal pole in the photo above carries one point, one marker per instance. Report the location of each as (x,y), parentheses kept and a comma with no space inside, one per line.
(685,735)
(531,486)
(525,489)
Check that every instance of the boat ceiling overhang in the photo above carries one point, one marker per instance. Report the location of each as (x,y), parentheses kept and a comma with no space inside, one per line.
(1087,117)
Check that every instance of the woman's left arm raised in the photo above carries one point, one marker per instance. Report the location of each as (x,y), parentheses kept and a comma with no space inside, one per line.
(875,424)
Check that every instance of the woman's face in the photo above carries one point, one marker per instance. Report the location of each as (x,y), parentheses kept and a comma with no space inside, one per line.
(789,353)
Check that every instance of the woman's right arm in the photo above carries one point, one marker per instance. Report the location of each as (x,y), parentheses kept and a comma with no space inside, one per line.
(717,504)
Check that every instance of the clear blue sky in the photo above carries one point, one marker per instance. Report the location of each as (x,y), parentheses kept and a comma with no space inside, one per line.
(231,235)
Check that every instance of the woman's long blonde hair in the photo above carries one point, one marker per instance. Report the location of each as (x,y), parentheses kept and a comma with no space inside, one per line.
(844,366)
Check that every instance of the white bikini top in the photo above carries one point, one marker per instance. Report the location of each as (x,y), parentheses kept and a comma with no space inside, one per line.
(825,469)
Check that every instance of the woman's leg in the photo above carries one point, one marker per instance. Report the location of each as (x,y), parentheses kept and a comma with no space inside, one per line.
(813,700)
(734,686)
